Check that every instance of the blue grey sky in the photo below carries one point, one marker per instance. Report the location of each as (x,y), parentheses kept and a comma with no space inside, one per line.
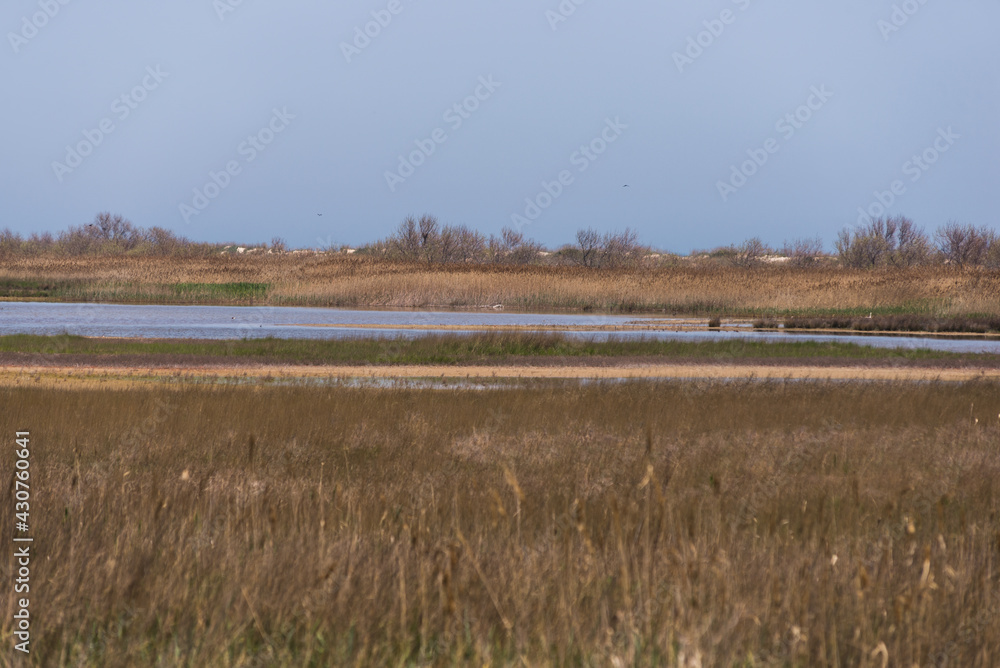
(242,120)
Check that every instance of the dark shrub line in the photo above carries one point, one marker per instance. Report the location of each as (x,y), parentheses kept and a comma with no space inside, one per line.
(893,241)
(888,323)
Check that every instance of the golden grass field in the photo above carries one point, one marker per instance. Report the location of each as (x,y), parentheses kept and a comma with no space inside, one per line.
(116,376)
(300,504)
(549,523)
(352,281)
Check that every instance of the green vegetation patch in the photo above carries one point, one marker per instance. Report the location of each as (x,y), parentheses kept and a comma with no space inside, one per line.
(472,349)
(38,288)
(217,291)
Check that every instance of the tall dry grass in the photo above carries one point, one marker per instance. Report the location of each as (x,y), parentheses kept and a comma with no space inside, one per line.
(338,280)
(671,524)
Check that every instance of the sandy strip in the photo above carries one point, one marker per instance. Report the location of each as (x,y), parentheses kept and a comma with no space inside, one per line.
(30,375)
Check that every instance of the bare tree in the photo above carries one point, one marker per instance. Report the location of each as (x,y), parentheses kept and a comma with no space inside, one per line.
(429,237)
(425,239)
(405,243)
(10,243)
(589,243)
(858,250)
(108,227)
(751,253)
(108,234)
(894,241)
(510,241)
(39,243)
(993,254)
(512,248)
(964,244)
(620,249)
(912,247)
(164,242)
(447,245)
(803,252)
(470,245)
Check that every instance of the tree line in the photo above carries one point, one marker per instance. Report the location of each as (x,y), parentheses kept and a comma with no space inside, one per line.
(108,234)
(893,241)
(896,242)
(425,240)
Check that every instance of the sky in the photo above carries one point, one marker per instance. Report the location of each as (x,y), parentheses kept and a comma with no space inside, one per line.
(697,124)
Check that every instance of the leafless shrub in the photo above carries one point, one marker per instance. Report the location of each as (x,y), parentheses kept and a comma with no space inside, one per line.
(964,245)
(912,247)
(458,243)
(470,245)
(447,245)
(10,243)
(803,252)
(38,244)
(589,244)
(512,248)
(405,243)
(567,255)
(429,237)
(108,235)
(621,249)
(892,241)
(993,254)
(614,249)
(751,253)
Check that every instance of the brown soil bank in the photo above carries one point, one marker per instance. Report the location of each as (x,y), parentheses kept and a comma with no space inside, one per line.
(350,281)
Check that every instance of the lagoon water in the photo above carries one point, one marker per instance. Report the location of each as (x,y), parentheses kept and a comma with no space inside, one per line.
(237,322)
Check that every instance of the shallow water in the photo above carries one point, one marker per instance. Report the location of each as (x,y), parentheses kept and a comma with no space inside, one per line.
(237,322)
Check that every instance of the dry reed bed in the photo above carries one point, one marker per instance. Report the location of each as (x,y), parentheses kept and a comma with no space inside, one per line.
(93,374)
(623,524)
(331,280)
